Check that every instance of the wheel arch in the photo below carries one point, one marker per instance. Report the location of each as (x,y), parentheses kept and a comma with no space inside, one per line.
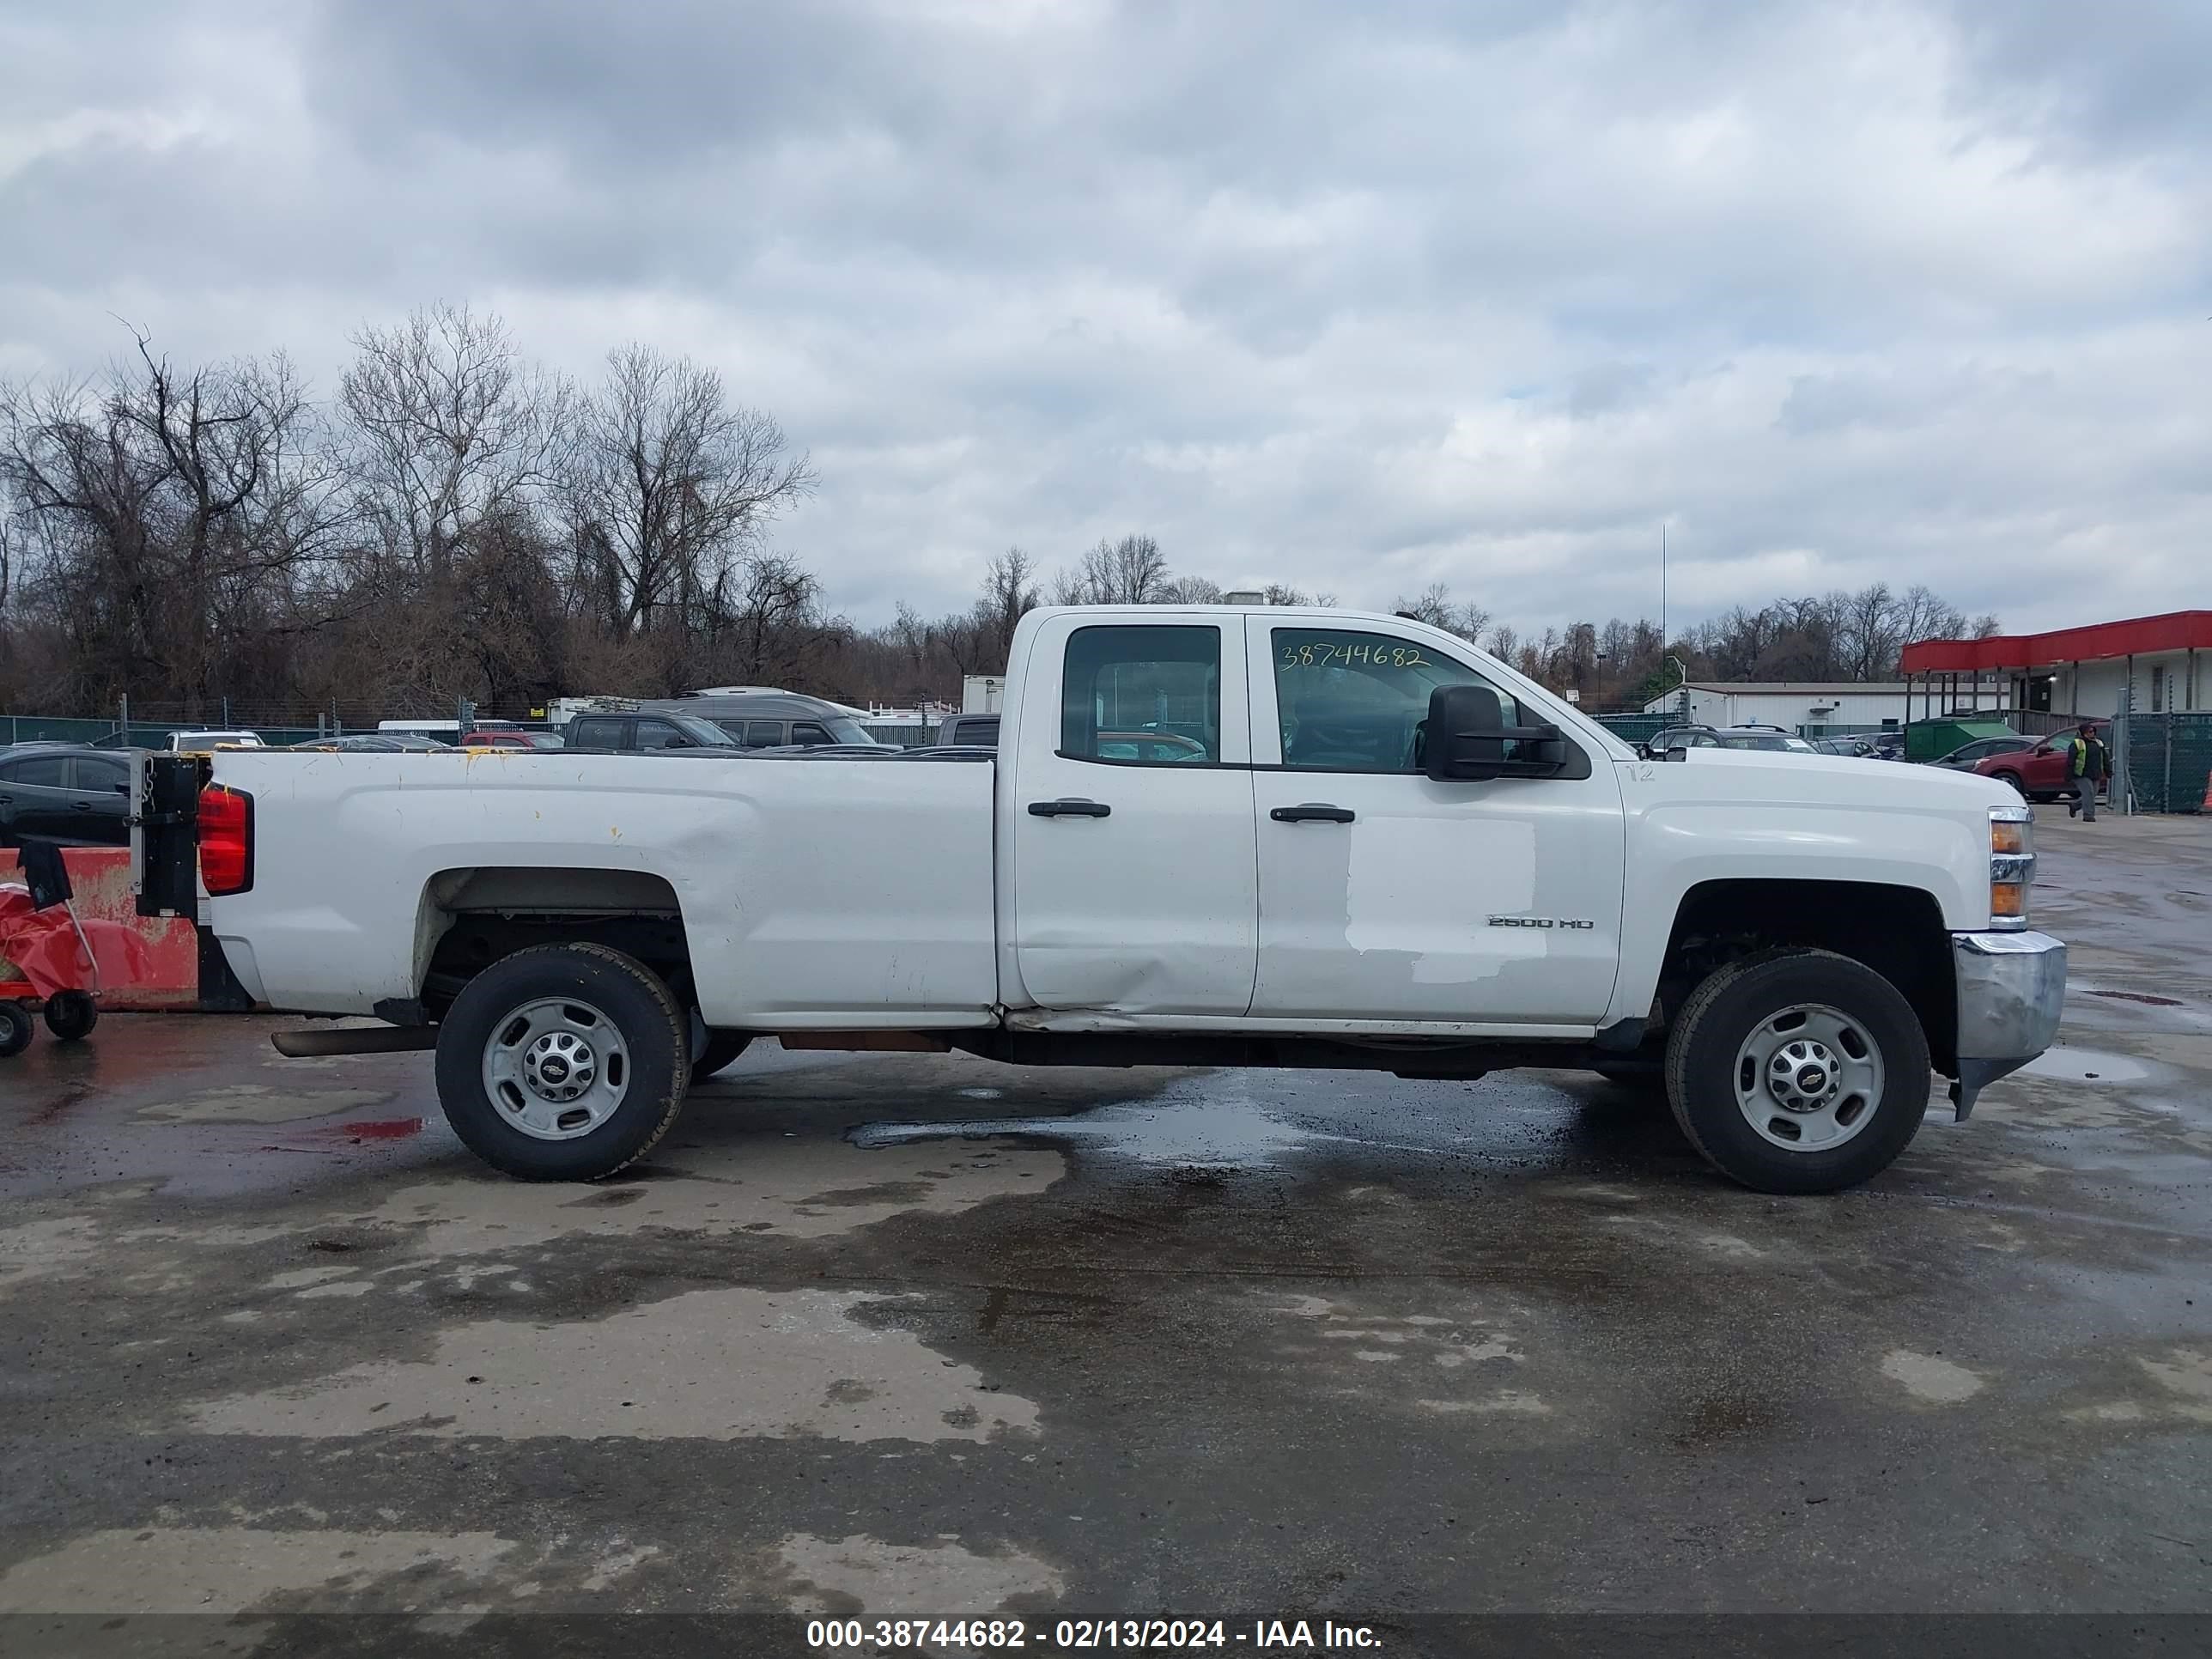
(1895,929)
(470,917)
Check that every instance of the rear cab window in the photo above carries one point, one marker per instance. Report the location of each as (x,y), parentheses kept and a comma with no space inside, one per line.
(1142,695)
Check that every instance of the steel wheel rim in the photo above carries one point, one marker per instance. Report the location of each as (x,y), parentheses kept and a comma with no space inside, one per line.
(556,1068)
(1808,1077)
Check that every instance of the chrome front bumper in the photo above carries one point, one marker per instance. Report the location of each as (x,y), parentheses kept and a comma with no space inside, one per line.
(2012,988)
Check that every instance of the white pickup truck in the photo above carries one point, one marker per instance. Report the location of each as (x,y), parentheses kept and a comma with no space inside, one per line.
(1209,835)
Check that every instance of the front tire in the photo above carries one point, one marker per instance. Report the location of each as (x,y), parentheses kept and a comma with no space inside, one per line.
(563,1062)
(2019,784)
(16,1027)
(1798,1071)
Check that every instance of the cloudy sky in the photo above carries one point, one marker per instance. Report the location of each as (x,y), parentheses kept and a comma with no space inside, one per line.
(1355,297)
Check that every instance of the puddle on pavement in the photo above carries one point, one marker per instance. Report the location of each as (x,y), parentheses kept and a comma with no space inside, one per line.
(1167,1130)
(2070,1065)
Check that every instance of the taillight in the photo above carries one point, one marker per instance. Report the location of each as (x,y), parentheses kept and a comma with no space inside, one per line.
(225,840)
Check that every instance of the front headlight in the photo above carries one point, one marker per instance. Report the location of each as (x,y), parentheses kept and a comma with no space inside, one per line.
(2012,864)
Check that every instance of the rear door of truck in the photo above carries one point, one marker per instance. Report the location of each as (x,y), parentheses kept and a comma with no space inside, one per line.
(1128,877)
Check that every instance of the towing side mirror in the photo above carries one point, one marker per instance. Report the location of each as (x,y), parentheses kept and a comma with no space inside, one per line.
(1465,738)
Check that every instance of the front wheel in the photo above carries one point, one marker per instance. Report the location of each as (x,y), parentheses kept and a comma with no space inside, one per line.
(15,1029)
(563,1062)
(2019,784)
(1798,1071)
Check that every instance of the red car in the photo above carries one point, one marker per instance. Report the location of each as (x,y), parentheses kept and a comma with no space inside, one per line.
(2043,771)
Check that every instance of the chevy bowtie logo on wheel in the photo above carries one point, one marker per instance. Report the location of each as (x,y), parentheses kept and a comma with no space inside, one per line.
(1571,922)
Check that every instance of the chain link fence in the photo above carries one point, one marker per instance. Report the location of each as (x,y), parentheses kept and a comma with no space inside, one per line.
(2169,760)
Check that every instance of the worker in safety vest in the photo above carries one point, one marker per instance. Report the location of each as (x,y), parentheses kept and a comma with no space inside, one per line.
(2087,765)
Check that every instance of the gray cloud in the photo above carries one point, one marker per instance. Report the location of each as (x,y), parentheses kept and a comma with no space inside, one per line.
(1355,298)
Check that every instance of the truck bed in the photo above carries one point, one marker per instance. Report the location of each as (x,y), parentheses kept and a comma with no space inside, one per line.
(815,894)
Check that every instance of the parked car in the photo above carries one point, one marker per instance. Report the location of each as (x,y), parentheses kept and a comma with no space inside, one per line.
(626,734)
(1680,737)
(196,742)
(1968,756)
(376,743)
(767,719)
(510,736)
(70,793)
(2041,770)
(1805,948)
(1769,739)
(968,731)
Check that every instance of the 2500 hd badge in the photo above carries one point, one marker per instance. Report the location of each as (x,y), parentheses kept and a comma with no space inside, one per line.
(1569,923)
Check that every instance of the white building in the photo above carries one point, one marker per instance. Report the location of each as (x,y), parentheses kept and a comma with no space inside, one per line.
(1786,704)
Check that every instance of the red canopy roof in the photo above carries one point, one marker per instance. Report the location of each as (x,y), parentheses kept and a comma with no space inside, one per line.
(2176,630)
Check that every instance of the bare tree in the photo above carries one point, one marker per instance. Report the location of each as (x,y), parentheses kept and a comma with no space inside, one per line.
(670,484)
(1132,571)
(445,423)
(1435,606)
(1190,590)
(1009,592)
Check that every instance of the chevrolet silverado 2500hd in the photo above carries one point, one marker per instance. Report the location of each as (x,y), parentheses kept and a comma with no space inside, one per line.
(1209,835)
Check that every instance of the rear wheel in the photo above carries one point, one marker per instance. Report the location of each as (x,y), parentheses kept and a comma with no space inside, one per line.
(721,1052)
(70,1016)
(15,1029)
(1798,1071)
(563,1062)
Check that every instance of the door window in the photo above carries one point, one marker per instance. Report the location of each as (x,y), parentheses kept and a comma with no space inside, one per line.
(764,734)
(1357,703)
(659,734)
(807,731)
(100,777)
(1142,695)
(40,772)
(598,734)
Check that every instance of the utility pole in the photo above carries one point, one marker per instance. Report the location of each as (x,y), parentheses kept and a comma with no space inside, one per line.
(1662,586)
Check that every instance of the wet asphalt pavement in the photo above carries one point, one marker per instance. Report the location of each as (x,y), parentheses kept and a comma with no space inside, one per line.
(891,1336)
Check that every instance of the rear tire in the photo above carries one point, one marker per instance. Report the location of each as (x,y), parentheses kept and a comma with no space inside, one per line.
(15,1029)
(70,1016)
(721,1053)
(1798,1071)
(563,1062)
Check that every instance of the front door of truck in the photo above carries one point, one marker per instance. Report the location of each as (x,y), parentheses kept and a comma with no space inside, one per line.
(1385,896)
(1128,869)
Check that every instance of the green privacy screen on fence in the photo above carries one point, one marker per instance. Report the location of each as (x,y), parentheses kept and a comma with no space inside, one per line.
(2169,756)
